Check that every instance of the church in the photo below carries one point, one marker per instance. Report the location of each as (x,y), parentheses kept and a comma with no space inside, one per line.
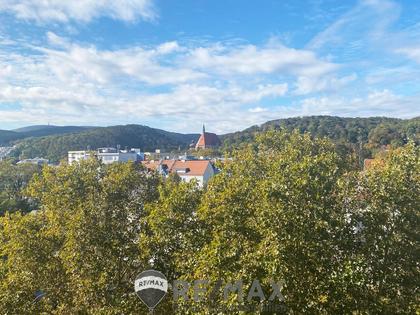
(207,140)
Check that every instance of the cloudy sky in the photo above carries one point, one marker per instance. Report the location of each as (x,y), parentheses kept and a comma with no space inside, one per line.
(229,64)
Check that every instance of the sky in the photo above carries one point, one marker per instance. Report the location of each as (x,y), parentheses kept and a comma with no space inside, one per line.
(229,64)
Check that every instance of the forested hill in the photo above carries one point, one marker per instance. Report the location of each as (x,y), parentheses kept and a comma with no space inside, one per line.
(56,147)
(373,131)
(8,136)
(48,130)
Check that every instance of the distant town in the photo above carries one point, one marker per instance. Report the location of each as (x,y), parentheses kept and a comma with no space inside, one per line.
(188,167)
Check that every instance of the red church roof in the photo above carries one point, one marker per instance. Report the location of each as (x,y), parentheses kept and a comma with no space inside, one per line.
(207,140)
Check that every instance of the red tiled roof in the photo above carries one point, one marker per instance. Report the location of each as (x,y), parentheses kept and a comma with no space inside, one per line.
(208,139)
(371,163)
(193,167)
(367,163)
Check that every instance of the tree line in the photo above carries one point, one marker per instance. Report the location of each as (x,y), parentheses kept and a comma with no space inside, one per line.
(363,137)
(286,207)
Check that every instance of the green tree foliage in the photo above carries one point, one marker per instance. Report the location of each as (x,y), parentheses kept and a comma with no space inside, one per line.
(7,136)
(383,206)
(276,213)
(385,134)
(173,231)
(47,130)
(287,207)
(173,228)
(13,179)
(346,133)
(81,248)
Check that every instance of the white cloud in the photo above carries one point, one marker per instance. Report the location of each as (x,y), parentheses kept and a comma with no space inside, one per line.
(5,70)
(203,101)
(368,35)
(175,86)
(56,40)
(74,83)
(186,107)
(106,66)
(169,47)
(376,103)
(307,85)
(258,109)
(170,63)
(249,60)
(79,10)
(187,103)
(412,52)
(67,82)
(393,75)
(365,23)
(262,91)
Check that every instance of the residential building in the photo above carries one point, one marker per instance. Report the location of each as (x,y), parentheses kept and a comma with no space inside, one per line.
(37,161)
(4,152)
(107,155)
(186,156)
(370,163)
(187,170)
(77,156)
(111,155)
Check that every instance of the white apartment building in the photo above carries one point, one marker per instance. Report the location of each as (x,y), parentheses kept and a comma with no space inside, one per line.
(77,156)
(106,155)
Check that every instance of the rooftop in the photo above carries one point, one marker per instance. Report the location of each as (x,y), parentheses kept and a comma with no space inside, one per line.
(190,167)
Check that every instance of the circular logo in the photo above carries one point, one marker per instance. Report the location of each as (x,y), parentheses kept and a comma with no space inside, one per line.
(151,286)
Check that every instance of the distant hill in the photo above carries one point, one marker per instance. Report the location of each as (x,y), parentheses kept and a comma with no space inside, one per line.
(372,132)
(34,128)
(55,147)
(48,130)
(7,136)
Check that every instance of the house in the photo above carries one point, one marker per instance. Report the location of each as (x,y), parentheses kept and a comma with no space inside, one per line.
(4,152)
(207,140)
(111,155)
(187,170)
(77,156)
(107,155)
(36,161)
(367,163)
(371,163)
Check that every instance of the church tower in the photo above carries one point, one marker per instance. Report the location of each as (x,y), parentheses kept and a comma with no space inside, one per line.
(207,140)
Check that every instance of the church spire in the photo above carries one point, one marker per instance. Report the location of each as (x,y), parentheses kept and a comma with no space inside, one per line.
(204,129)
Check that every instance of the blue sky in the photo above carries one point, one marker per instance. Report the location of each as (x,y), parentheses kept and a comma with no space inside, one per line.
(229,64)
